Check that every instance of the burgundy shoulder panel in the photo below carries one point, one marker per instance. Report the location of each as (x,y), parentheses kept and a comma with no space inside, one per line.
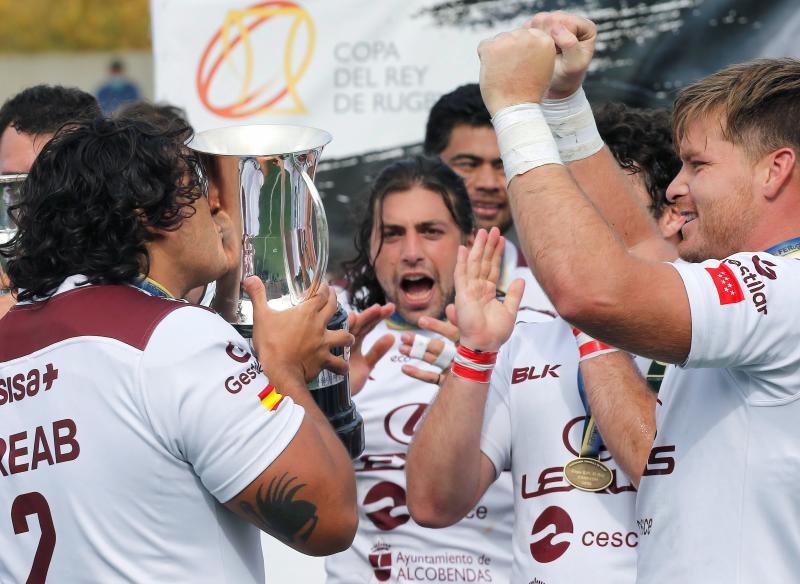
(117,312)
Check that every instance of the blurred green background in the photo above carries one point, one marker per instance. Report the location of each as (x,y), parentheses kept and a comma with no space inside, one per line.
(30,26)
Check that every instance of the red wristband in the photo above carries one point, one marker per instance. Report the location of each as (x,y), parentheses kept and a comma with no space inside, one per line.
(589,347)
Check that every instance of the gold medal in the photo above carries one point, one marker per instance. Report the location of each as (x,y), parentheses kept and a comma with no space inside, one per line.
(588,474)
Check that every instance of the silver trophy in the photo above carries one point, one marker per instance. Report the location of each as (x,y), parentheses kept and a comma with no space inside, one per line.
(9,195)
(264,178)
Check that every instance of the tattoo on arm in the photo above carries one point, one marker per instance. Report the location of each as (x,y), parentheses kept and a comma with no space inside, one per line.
(278,512)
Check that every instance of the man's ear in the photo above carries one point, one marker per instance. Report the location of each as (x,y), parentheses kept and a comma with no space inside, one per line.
(670,222)
(777,169)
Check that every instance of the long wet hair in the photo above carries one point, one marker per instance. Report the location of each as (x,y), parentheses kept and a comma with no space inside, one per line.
(96,194)
(363,288)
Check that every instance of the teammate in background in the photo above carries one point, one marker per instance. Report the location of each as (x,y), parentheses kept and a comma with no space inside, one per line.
(459,131)
(417,216)
(533,417)
(641,142)
(138,431)
(731,320)
(27,121)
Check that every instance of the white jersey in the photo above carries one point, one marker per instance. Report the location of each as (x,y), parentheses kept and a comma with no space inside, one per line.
(534,299)
(125,420)
(718,500)
(389,546)
(534,425)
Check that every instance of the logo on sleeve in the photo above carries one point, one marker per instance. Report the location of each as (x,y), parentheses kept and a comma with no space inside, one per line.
(764,267)
(237,353)
(270,398)
(728,288)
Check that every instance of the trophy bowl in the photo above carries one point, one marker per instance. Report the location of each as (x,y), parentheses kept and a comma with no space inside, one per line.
(263,176)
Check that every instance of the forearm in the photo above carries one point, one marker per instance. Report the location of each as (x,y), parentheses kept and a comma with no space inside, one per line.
(606,186)
(572,250)
(624,409)
(443,465)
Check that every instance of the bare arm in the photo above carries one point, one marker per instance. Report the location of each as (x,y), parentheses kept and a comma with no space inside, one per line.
(624,409)
(599,175)
(307,496)
(582,265)
(446,471)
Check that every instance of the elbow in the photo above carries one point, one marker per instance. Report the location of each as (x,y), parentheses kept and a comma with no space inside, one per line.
(585,306)
(337,538)
(428,512)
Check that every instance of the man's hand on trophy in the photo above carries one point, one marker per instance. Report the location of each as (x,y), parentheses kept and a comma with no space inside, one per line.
(438,353)
(516,67)
(296,342)
(360,325)
(575,38)
(484,323)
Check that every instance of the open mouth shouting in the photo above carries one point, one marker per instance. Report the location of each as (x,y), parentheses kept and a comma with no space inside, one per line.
(416,290)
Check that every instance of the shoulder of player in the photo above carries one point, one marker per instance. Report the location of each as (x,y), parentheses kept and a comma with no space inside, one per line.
(119,312)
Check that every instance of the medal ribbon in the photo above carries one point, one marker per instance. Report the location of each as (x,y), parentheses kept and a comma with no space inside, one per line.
(789,248)
(592,441)
(153,288)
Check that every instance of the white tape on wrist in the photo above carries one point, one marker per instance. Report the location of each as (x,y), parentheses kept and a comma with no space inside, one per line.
(419,346)
(524,139)
(446,356)
(572,123)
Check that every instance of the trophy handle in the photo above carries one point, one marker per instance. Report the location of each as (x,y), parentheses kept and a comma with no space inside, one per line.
(321,221)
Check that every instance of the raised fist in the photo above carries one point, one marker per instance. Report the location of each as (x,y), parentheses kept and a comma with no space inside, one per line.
(516,67)
(575,38)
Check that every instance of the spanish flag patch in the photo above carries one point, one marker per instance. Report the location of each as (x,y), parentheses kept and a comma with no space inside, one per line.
(270,398)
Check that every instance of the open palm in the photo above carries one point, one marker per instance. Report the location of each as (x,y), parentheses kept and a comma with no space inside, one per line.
(485,323)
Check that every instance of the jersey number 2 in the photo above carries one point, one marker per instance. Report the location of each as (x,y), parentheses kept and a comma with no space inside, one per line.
(35,504)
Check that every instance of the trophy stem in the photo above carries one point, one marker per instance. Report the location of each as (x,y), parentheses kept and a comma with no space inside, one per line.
(331,392)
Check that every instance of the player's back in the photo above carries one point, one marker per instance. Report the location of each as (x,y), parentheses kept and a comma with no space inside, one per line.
(91,490)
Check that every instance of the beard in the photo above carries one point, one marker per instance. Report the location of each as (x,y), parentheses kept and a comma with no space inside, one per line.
(723,229)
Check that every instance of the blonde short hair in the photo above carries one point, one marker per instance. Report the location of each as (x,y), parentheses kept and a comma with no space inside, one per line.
(758,105)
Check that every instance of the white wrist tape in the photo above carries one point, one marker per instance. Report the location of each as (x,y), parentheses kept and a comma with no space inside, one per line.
(572,123)
(524,139)
(446,356)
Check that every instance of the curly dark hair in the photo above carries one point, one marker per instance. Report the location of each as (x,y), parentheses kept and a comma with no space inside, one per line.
(95,195)
(464,105)
(363,288)
(44,109)
(641,141)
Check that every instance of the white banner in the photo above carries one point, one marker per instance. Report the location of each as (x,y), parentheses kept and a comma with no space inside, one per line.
(366,72)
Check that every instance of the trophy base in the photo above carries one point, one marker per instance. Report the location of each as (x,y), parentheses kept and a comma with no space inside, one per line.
(335,403)
(246,330)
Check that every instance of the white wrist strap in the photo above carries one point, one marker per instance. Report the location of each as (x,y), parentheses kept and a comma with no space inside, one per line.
(524,139)
(572,124)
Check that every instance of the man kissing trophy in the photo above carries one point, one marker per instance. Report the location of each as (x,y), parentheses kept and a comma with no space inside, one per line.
(263,178)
